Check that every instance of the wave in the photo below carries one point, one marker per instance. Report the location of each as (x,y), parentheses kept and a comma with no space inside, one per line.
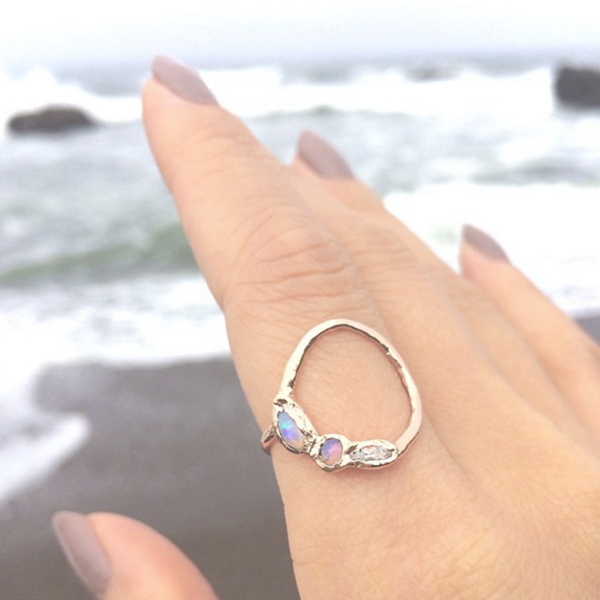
(257,92)
(155,250)
(33,443)
(261,92)
(31,454)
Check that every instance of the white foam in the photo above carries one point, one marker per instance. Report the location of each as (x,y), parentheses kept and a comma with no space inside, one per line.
(28,458)
(549,231)
(34,443)
(388,91)
(153,319)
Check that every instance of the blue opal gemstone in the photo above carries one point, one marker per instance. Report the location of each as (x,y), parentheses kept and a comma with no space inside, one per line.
(331,451)
(289,431)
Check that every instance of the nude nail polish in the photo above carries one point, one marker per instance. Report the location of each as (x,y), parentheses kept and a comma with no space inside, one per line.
(483,243)
(182,81)
(83,551)
(322,157)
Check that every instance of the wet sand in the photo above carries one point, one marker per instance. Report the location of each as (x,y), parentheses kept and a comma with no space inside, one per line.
(174,446)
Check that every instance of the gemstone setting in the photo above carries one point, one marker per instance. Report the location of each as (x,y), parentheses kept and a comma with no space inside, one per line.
(373,453)
(331,451)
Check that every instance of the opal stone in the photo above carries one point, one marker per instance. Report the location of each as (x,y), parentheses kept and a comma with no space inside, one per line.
(290,432)
(331,451)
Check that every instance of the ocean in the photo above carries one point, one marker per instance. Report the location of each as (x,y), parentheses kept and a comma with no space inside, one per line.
(94,266)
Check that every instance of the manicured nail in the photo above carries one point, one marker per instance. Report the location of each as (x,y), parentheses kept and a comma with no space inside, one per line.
(82,549)
(182,81)
(322,157)
(483,243)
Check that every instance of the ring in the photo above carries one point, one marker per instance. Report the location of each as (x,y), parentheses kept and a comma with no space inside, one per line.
(293,429)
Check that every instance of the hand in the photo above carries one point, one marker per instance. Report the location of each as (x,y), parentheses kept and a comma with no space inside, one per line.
(498,497)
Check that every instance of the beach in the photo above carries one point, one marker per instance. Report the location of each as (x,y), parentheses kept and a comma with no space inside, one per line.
(174,446)
(116,390)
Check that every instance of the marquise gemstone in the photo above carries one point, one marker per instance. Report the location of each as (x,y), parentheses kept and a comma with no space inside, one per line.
(290,432)
(331,451)
(372,453)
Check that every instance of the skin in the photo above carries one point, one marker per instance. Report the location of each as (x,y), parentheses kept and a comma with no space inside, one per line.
(499,496)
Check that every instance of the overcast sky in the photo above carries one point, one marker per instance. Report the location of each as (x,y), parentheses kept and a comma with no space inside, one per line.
(34,32)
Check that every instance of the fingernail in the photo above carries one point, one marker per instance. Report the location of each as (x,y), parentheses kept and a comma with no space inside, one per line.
(182,81)
(83,551)
(322,157)
(483,243)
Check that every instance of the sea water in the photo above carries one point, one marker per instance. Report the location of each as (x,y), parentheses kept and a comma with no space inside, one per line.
(94,266)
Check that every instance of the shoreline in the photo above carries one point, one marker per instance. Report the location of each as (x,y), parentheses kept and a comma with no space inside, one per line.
(175,446)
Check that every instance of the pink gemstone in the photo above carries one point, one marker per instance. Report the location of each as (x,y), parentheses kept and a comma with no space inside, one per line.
(331,451)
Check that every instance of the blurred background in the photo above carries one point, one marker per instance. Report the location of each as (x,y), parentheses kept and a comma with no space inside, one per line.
(116,390)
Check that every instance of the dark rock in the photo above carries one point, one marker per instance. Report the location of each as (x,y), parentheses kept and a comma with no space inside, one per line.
(578,87)
(430,73)
(54,119)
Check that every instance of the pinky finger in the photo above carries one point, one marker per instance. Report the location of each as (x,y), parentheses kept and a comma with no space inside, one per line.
(570,358)
(117,558)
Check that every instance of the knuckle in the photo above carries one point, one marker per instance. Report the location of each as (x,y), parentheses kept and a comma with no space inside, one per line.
(381,251)
(286,257)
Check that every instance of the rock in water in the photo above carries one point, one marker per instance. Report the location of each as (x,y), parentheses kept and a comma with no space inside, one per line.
(53,119)
(578,87)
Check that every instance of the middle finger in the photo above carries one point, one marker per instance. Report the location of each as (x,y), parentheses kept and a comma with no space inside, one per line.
(477,412)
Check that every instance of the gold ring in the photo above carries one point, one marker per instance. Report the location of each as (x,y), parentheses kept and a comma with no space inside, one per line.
(332,452)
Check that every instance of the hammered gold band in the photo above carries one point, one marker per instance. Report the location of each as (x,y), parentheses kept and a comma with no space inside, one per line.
(332,452)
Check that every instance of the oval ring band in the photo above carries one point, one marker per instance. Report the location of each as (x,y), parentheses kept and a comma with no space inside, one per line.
(333,452)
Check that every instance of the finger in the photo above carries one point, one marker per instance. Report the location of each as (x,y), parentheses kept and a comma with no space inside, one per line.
(196,142)
(277,270)
(570,358)
(503,343)
(117,558)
